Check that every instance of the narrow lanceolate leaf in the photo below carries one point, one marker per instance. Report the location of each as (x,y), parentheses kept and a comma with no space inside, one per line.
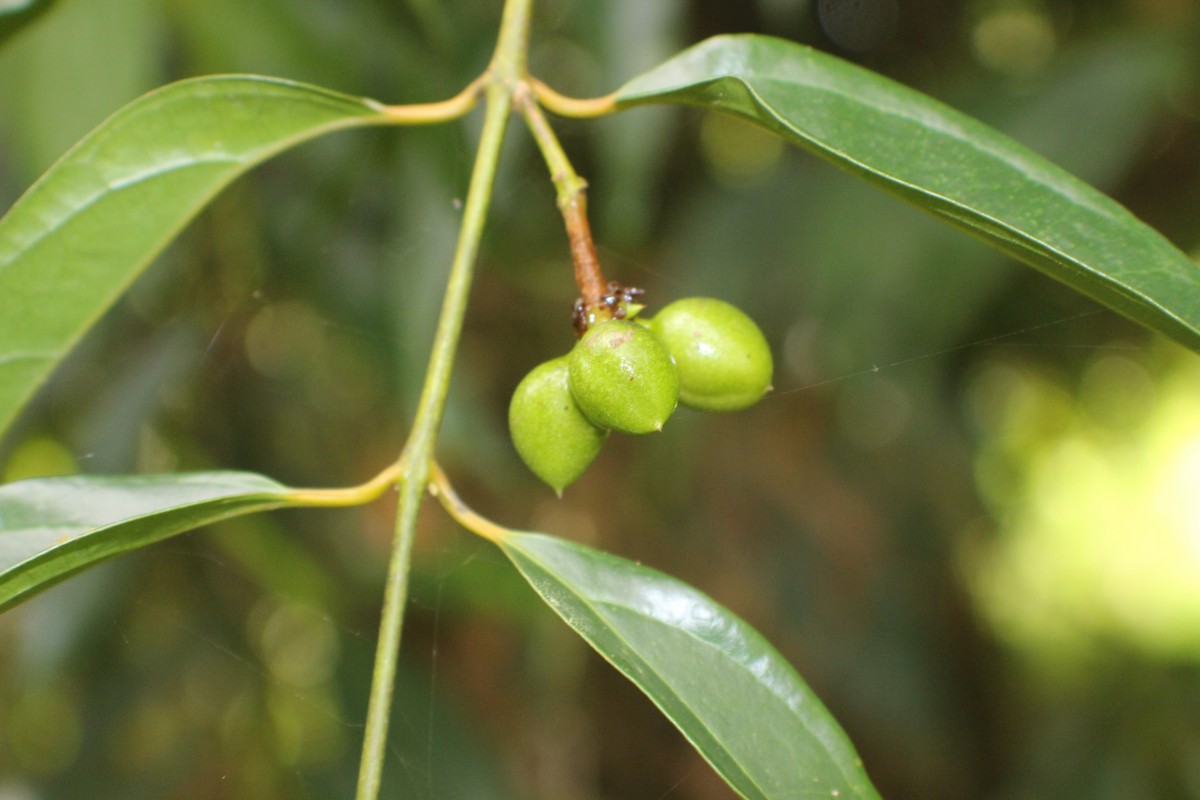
(73,243)
(731,694)
(944,162)
(51,528)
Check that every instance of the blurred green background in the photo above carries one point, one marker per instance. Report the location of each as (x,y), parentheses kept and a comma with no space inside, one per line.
(969,513)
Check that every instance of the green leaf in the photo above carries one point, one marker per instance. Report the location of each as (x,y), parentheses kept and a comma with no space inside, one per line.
(16,14)
(72,244)
(944,162)
(731,694)
(51,528)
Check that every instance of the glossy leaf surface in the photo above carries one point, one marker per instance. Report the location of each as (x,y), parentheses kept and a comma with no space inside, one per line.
(944,162)
(72,244)
(731,694)
(51,528)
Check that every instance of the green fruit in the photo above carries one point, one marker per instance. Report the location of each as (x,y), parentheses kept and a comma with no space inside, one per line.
(723,358)
(623,378)
(553,437)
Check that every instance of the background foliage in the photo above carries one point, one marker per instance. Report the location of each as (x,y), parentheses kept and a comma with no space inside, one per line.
(968,514)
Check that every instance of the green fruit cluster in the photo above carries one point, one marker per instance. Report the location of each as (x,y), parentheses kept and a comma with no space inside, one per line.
(628,376)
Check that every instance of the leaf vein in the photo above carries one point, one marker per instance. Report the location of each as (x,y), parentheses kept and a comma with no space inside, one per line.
(28,355)
(583,599)
(83,203)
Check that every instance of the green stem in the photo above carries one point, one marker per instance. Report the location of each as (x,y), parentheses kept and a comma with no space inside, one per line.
(567,182)
(572,202)
(507,70)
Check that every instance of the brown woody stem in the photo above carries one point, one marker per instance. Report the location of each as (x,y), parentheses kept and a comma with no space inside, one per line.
(588,275)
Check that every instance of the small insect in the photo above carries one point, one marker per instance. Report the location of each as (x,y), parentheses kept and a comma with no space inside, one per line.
(614,304)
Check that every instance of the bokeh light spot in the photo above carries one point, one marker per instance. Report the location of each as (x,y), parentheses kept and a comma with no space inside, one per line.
(1098,514)
(738,154)
(1015,40)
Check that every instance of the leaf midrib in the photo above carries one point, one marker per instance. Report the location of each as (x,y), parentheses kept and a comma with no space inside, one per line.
(939,203)
(1030,242)
(1023,163)
(631,649)
(850,781)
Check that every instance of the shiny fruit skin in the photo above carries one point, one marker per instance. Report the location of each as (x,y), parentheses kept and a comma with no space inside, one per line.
(623,378)
(553,437)
(723,358)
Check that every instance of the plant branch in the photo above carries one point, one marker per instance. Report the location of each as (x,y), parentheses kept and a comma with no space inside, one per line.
(572,201)
(503,75)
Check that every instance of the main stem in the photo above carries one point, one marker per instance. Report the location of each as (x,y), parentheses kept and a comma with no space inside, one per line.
(505,72)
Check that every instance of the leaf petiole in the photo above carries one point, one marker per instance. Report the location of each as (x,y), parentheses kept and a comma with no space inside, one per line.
(351,495)
(441,111)
(439,487)
(575,107)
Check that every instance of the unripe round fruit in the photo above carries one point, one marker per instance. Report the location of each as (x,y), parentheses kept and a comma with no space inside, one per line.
(723,358)
(555,440)
(623,378)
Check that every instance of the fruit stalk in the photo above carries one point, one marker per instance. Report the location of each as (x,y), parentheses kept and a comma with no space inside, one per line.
(588,276)
(572,202)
